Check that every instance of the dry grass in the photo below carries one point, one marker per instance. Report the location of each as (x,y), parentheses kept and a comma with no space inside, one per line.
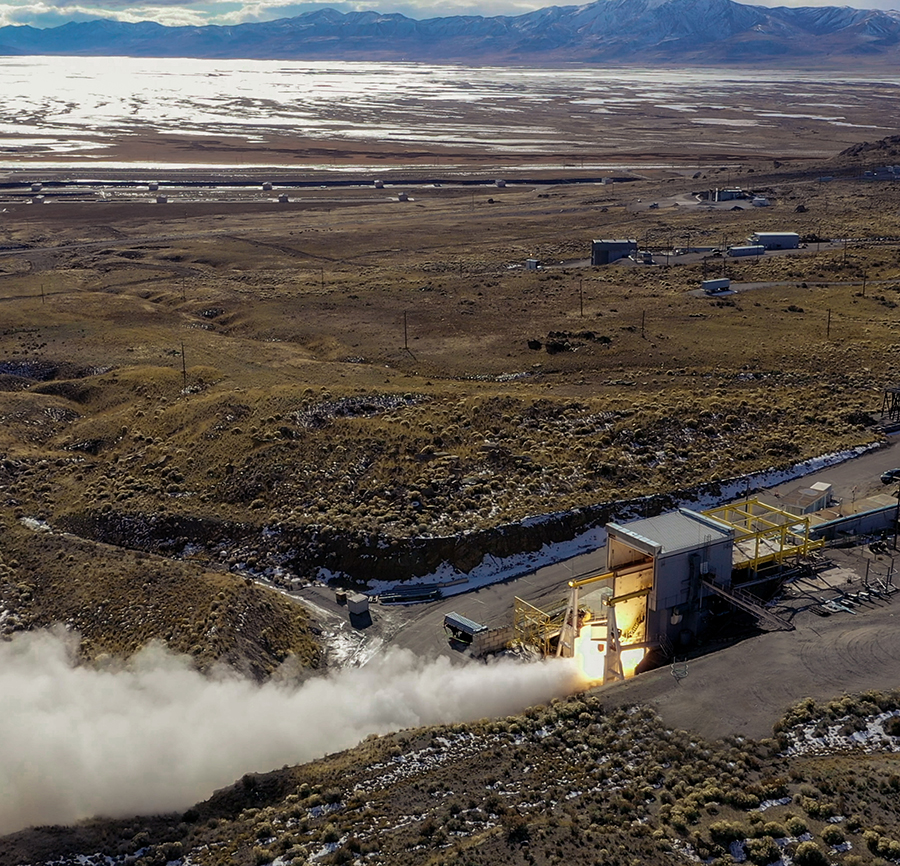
(306,412)
(119,600)
(497,430)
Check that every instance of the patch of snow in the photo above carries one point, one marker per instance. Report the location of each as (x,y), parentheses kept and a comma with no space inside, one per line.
(491,569)
(35,525)
(768,804)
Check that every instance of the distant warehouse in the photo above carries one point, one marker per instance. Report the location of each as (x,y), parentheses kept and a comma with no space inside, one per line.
(776,240)
(605,252)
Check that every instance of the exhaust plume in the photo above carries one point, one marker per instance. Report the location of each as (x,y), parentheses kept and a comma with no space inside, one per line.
(156,736)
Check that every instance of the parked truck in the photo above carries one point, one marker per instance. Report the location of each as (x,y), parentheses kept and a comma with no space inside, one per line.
(715,287)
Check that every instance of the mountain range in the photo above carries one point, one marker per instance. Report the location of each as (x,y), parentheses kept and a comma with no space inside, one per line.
(618,31)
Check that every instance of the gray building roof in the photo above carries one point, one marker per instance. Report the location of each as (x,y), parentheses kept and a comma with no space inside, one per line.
(463,623)
(674,531)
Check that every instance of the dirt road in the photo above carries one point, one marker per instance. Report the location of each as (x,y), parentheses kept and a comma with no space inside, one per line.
(745,688)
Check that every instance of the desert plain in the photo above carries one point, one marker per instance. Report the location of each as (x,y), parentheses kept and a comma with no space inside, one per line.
(208,391)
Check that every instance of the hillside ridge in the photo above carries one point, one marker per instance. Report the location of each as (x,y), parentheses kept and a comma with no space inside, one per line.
(606,31)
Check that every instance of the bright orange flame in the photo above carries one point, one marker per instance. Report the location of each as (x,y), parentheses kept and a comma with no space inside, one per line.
(631,658)
(590,655)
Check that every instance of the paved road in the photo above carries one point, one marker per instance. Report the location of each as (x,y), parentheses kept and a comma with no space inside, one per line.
(857,478)
(418,626)
(824,657)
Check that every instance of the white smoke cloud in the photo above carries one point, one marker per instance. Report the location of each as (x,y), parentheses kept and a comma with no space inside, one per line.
(156,735)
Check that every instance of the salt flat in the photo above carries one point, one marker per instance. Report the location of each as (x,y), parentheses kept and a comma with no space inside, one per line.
(84,110)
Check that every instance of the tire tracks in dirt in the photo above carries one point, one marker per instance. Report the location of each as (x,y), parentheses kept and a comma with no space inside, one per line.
(282,248)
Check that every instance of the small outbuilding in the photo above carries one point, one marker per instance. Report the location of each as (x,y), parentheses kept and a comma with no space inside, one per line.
(806,500)
(357,603)
(604,252)
(776,240)
(461,628)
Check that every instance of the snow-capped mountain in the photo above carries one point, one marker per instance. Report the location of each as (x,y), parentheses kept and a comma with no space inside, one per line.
(637,31)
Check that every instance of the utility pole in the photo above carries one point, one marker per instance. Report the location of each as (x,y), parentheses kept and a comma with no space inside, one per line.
(643,314)
(828,327)
(581,296)
(865,275)
(42,293)
(183,369)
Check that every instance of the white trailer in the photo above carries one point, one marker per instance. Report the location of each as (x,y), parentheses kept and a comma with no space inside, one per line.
(747,250)
(715,287)
(776,240)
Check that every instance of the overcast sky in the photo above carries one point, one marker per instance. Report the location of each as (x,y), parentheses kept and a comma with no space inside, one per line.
(50,13)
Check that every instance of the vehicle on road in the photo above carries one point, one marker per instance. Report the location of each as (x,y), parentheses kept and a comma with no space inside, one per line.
(890,475)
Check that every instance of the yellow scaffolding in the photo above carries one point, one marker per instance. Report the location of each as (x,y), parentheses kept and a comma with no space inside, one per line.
(533,627)
(764,533)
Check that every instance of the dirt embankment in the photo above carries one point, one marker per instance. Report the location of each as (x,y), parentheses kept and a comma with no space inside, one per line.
(117,601)
(287,554)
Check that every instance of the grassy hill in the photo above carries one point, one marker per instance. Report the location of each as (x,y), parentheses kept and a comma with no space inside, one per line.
(194,377)
(118,600)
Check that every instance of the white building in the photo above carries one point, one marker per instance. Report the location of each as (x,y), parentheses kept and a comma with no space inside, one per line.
(729,194)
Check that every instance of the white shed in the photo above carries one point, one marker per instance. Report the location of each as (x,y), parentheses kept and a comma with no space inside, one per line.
(357,603)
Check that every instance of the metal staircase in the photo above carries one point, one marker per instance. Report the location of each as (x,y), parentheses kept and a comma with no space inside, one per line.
(750,603)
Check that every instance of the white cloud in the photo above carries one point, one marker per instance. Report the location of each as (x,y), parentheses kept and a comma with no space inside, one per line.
(266,10)
(54,14)
(171,16)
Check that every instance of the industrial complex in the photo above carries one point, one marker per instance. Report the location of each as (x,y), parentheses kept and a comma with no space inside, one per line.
(678,577)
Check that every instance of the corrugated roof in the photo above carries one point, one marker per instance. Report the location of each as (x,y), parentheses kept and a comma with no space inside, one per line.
(678,530)
(463,623)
